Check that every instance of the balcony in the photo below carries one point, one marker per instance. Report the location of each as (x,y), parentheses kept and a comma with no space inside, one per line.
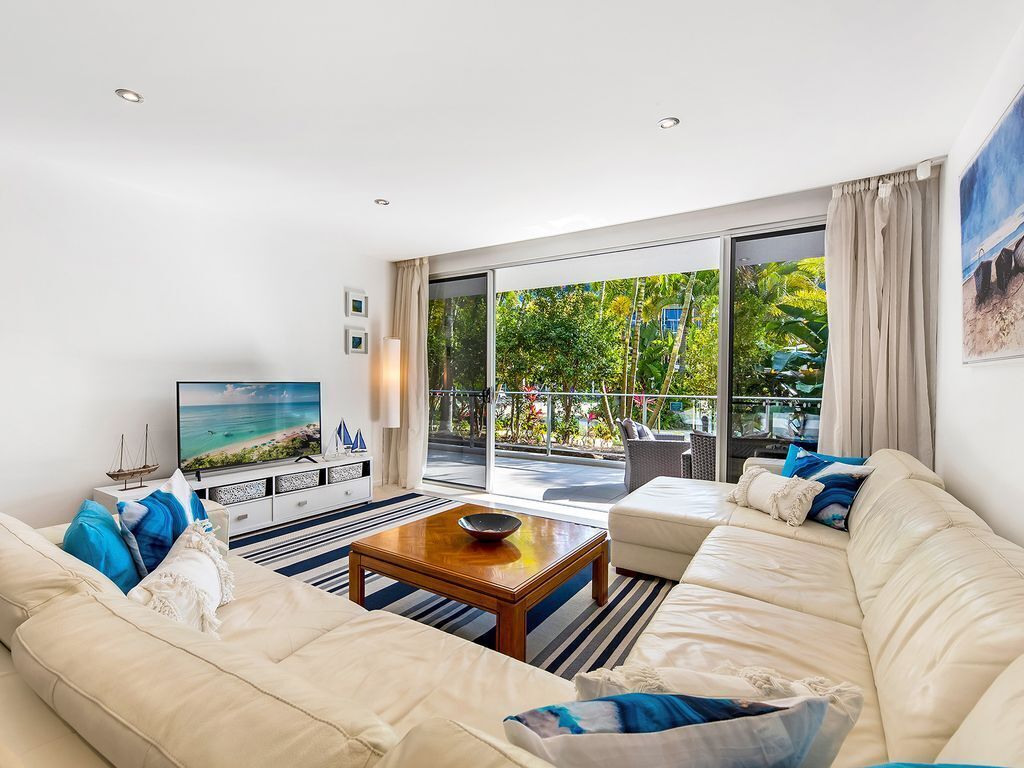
(564,447)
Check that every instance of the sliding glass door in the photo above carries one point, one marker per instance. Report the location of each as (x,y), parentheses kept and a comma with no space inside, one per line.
(777,345)
(458,364)
(723,335)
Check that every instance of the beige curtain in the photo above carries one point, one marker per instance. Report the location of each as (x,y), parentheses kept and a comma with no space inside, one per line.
(881,269)
(405,447)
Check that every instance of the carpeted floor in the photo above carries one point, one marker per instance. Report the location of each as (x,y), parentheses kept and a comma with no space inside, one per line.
(567,632)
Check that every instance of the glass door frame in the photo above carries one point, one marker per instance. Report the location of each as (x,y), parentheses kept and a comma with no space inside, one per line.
(726,296)
(489,376)
(727,238)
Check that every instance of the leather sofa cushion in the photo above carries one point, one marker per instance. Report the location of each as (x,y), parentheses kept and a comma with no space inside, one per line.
(676,514)
(890,466)
(946,624)
(993,732)
(408,672)
(442,743)
(274,615)
(34,573)
(147,692)
(701,629)
(810,532)
(32,735)
(907,514)
(792,574)
(671,513)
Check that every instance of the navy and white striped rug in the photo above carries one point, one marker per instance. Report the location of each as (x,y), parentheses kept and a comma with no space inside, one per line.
(567,631)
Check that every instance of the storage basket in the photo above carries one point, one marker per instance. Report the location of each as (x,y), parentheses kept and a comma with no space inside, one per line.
(298,480)
(345,472)
(239,492)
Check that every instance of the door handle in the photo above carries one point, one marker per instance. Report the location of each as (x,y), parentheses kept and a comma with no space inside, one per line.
(302,503)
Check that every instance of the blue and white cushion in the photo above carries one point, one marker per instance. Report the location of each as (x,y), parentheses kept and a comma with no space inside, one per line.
(150,525)
(671,731)
(841,479)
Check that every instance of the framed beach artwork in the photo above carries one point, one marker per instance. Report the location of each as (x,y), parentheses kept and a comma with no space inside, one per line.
(356,304)
(356,341)
(992,242)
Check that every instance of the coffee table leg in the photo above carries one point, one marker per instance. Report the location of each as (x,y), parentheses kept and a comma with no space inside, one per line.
(356,582)
(599,580)
(512,630)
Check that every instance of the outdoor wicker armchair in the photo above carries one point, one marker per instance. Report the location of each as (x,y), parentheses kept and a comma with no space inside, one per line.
(664,456)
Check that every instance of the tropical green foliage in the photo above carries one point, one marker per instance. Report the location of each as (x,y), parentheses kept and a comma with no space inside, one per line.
(609,337)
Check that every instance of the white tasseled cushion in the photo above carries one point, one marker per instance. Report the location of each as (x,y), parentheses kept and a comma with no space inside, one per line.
(783,498)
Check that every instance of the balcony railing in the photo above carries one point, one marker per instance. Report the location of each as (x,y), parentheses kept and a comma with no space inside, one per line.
(581,424)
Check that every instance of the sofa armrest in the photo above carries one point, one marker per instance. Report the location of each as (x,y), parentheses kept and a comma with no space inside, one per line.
(772,465)
(54,533)
(442,743)
(218,515)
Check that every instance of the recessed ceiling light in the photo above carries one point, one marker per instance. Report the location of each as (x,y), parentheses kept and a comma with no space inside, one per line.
(129,95)
(382,201)
(668,122)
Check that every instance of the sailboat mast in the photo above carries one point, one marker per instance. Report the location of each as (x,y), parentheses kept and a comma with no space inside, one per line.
(145,449)
(120,465)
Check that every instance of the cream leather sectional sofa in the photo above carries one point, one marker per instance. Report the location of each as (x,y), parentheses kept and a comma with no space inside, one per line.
(298,678)
(920,604)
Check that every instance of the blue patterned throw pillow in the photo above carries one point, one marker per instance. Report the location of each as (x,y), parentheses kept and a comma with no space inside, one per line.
(150,525)
(794,449)
(842,479)
(671,731)
(93,537)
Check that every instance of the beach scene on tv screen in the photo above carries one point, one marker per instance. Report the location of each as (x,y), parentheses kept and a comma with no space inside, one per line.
(224,425)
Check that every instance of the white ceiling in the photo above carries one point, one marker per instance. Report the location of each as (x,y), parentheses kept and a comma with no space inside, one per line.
(487,122)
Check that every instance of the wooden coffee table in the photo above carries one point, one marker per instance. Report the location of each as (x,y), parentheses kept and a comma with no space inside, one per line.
(506,578)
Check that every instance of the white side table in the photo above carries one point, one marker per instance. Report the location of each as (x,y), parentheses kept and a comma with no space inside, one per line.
(109,495)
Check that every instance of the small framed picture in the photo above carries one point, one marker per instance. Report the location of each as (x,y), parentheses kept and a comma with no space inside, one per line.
(356,341)
(356,304)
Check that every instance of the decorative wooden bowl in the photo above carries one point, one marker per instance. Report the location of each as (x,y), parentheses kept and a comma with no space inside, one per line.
(490,526)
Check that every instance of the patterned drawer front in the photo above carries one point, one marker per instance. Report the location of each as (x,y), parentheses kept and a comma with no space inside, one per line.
(345,472)
(250,515)
(239,492)
(298,481)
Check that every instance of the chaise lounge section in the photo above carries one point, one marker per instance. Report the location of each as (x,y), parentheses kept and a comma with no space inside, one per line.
(920,604)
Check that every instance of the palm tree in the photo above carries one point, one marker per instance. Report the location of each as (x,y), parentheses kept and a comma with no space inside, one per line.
(637,319)
(622,308)
(678,349)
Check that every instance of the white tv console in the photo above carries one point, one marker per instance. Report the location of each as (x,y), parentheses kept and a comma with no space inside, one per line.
(275,505)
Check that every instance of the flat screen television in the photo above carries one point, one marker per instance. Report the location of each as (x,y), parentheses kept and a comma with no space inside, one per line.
(233,423)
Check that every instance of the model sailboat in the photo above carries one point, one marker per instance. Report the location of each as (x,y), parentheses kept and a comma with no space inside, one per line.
(341,441)
(359,445)
(137,472)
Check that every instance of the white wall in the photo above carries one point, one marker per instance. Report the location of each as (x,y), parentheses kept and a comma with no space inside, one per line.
(770,210)
(108,295)
(980,419)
